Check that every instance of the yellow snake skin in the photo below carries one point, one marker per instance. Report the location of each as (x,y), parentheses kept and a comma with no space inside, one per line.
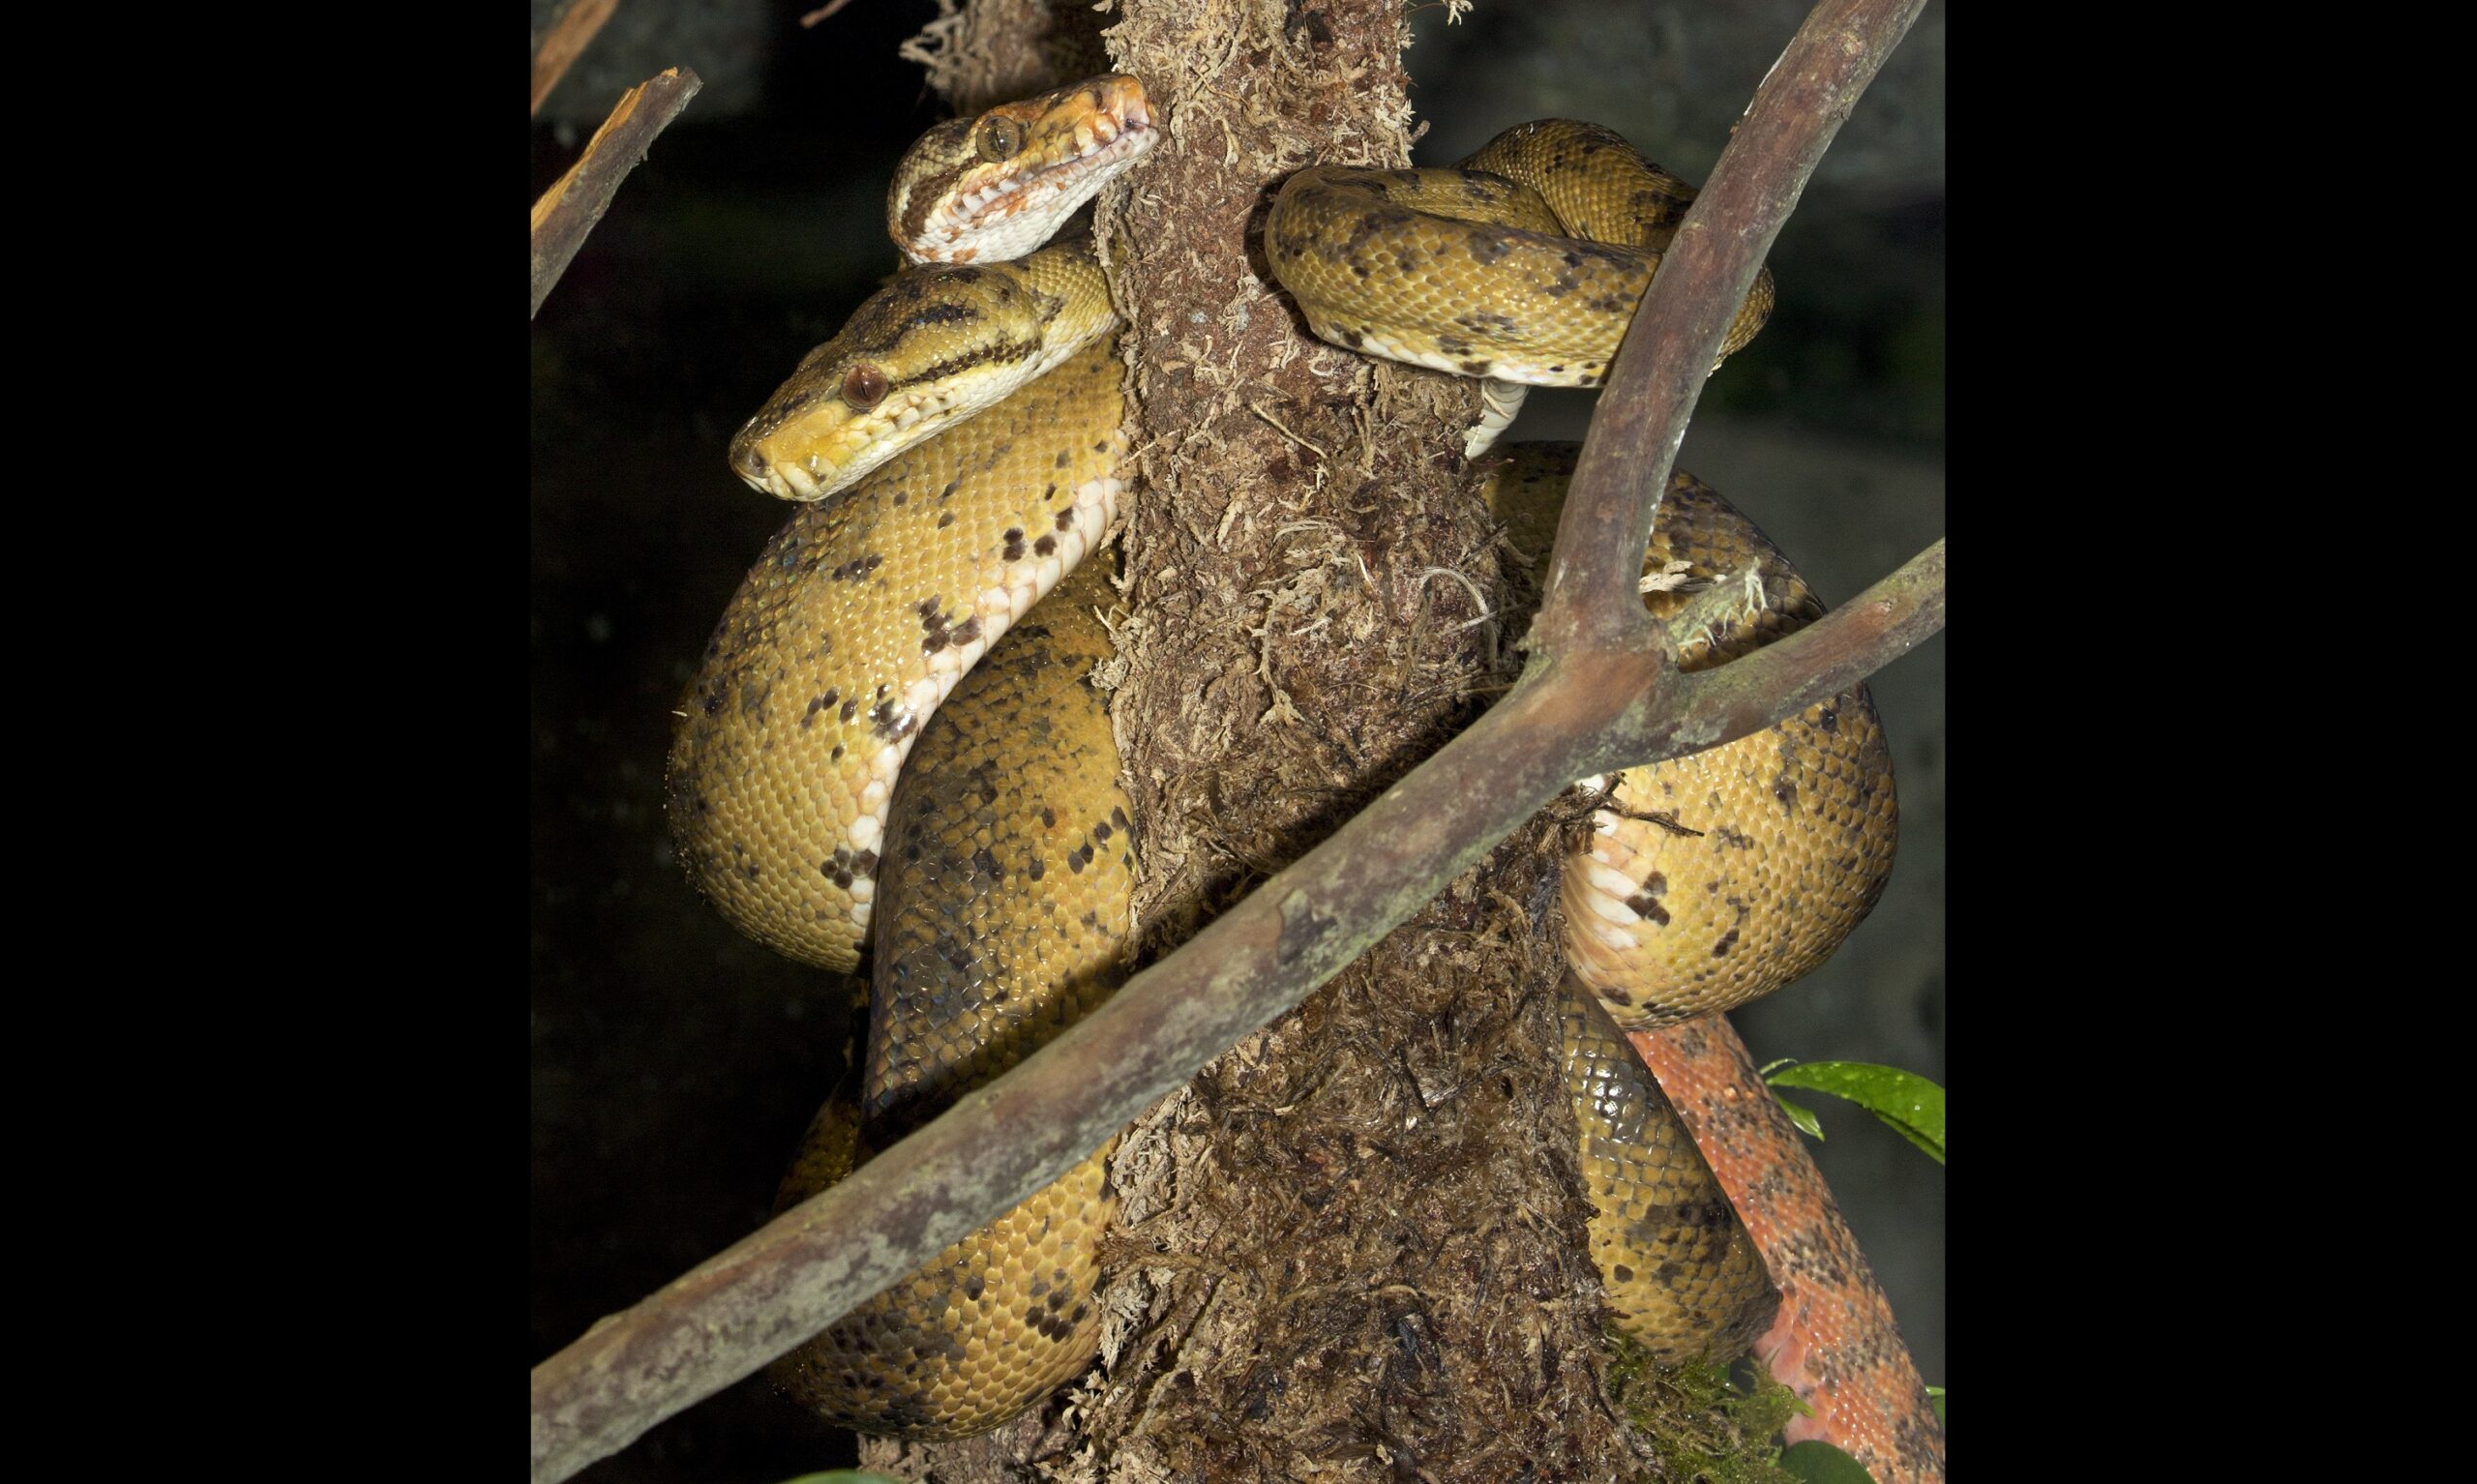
(1002,879)
(1008,870)
(1715,878)
(925,353)
(1001,866)
(1522,265)
(1684,1279)
(851,627)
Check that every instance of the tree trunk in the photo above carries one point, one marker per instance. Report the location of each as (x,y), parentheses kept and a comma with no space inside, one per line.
(1355,1242)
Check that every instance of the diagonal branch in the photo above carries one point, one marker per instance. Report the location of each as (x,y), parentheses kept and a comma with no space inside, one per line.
(1659,373)
(1599,690)
(570,208)
(815,1262)
(1714,706)
(568,39)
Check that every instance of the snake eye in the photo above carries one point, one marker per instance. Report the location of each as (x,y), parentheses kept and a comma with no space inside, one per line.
(864,386)
(999,137)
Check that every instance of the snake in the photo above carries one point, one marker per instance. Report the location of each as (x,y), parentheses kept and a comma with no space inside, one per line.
(955,455)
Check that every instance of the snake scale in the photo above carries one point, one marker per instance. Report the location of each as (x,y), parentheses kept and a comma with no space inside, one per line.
(957,450)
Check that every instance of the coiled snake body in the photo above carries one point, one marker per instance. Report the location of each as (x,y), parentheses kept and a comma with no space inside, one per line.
(960,444)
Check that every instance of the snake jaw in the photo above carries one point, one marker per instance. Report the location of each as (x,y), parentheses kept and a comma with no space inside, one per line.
(812,454)
(938,344)
(1077,139)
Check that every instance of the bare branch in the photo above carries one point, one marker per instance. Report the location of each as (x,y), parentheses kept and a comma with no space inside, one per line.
(1660,371)
(568,39)
(569,209)
(1836,651)
(809,1266)
(815,1262)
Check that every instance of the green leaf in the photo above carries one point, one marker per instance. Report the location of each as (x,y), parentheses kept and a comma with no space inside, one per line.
(1905,1100)
(1820,1463)
(1935,1399)
(1804,1118)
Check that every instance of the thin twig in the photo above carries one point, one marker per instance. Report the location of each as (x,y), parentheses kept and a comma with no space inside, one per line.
(1279,427)
(569,209)
(569,36)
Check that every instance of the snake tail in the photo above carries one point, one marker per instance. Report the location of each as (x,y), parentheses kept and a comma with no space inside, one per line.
(1833,1341)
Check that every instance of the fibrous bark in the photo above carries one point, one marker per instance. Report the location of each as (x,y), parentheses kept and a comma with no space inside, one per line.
(1355,1242)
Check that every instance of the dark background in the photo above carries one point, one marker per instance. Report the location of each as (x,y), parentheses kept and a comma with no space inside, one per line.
(674,1063)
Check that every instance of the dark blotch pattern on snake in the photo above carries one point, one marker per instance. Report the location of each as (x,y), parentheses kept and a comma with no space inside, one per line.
(959,442)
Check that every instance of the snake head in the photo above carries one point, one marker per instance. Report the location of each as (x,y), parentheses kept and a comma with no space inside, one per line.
(941,344)
(926,351)
(997,186)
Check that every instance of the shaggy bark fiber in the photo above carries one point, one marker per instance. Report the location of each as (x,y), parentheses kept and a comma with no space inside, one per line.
(1353,1248)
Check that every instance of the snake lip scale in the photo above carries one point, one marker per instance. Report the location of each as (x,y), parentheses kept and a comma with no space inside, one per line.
(1005,209)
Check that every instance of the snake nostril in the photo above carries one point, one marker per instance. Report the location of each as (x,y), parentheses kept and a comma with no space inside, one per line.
(746,461)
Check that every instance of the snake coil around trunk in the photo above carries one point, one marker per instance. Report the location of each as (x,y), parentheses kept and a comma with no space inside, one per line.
(958,451)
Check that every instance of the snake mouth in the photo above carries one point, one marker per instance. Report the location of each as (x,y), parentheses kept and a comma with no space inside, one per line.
(990,212)
(808,458)
(1107,146)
